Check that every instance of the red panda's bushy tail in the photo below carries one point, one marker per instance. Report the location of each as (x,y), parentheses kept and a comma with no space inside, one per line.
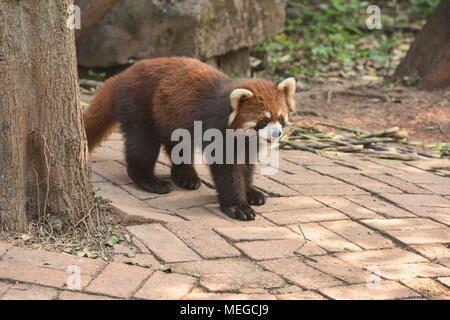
(99,118)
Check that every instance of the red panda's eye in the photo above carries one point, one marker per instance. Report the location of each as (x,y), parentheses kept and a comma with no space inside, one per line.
(281,121)
(263,123)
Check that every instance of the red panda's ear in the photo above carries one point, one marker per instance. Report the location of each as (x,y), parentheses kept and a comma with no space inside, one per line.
(288,86)
(235,98)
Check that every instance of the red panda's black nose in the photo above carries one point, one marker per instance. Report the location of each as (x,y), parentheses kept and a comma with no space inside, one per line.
(276,133)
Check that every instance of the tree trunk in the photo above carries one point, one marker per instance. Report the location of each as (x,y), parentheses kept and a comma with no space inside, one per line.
(44,167)
(91,13)
(429,55)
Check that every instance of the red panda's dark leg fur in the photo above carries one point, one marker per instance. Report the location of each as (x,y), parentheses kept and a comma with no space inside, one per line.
(231,186)
(142,142)
(183,175)
(142,151)
(254,197)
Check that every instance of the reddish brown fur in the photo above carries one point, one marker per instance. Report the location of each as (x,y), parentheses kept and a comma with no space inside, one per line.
(266,97)
(154,97)
(99,119)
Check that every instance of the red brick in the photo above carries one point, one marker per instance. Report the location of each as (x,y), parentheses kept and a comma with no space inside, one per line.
(440,214)
(445,281)
(300,273)
(198,294)
(429,164)
(305,158)
(29,292)
(129,205)
(304,178)
(388,290)
(421,200)
(356,233)
(304,215)
(325,238)
(119,280)
(4,247)
(105,153)
(413,270)
(399,184)
(379,206)
(38,275)
(243,233)
(395,167)
(421,177)
(69,295)
(429,288)
(166,286)
(96,178)
(305,295)
(270,249)
(412,231)
(180,199)
(369,184)
(139,260)
(229,274)
(334,170)
(328,190)
(411,224)
(52,260)
(339,269)
(380,257)
(291,203)
(203,239)
(4,286)
(200,214)
(442,189)
(112,170)
(421,236)
(349,208)
(286,166)
(272,187)
(163,243)
(433,251)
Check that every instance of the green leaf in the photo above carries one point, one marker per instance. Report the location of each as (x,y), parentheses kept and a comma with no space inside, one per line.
(113,240)
(164,269)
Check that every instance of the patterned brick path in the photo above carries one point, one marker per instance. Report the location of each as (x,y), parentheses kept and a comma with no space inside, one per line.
(375,230)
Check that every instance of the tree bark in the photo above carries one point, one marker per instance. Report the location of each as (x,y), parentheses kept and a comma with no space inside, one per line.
(91,13)
(44,167)
(429,55)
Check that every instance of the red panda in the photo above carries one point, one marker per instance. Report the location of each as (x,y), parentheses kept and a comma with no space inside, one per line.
(154,97)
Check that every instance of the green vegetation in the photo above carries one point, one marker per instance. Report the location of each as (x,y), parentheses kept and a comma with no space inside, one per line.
(330,39)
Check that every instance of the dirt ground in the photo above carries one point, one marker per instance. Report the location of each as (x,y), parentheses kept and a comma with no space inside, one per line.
(425,115)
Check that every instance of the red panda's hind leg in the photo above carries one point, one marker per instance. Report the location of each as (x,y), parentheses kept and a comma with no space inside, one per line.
(142,150)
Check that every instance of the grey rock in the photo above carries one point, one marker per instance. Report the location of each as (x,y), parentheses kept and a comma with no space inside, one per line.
(219,32)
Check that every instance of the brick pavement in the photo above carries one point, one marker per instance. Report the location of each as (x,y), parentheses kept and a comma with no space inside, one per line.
(334,227)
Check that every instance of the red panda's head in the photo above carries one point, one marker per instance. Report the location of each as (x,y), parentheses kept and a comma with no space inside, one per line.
(262,105)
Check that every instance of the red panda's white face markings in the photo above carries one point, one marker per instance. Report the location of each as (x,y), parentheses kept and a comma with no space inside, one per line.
(263,106)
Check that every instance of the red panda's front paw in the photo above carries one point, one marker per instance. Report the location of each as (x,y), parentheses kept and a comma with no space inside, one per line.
(243,213)
(157,186)
(255,197)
